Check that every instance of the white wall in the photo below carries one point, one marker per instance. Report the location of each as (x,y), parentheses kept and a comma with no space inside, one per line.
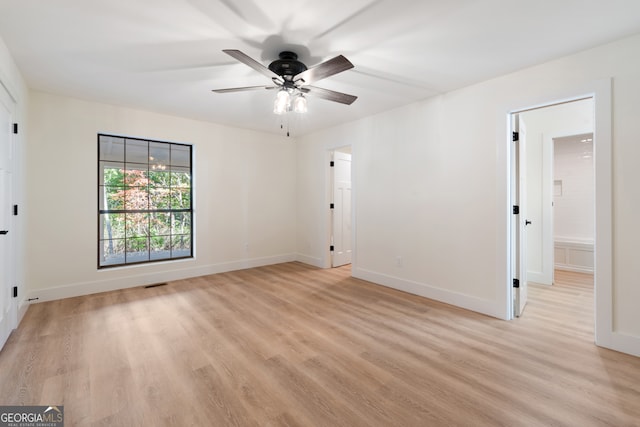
(244,195)
(418,196)
(573,169)
(431,185)
(574,201)
(543,125)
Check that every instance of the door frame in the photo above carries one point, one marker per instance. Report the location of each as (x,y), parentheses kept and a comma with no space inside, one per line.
(336,256)
(601,92)
(8,100)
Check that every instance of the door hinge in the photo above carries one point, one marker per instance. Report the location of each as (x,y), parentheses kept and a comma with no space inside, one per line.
(332,163)
(15,210)
(331,206)
(331,248)
(15,292)
(516,210)
(515,136)
(516,283)
(15,128)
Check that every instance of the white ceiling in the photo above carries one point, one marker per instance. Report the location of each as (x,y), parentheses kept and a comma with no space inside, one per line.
(165,55)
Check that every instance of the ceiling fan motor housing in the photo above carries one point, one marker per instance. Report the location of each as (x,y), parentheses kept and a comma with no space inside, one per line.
(287,66)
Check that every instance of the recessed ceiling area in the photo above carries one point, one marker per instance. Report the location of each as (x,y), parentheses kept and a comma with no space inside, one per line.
(166,56)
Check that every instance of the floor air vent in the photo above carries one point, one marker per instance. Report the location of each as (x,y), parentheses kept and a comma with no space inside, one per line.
(155,285)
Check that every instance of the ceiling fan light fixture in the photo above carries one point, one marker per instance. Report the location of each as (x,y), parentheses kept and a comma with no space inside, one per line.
(282,102)
(293,78)
(300,104)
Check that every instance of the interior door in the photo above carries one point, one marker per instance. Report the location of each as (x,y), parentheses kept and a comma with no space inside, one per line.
(7,267)
(520,221)
(341,240)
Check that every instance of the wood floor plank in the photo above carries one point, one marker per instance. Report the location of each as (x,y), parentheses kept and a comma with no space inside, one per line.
(293,345)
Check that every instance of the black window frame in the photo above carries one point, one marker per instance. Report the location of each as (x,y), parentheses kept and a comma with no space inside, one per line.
(104,210)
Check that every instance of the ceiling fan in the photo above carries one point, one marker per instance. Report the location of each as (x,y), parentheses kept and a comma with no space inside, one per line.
(293,79)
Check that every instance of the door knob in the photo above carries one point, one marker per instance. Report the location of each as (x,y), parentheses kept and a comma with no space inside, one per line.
(526,222)
(4,231)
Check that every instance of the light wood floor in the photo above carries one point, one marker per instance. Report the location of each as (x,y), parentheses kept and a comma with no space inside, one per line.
(291,345)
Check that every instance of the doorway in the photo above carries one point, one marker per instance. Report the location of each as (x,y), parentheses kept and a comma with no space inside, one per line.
(340,207)
(533,188)
(573,203)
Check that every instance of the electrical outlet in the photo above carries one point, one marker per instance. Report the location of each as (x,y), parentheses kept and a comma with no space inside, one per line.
(398,261)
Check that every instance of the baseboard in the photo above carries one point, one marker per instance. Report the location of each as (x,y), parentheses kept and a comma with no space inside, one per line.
(5,327)
(489,308)
(22,310)
(537,277)
(87,288)
(307,259)
(621,342)
(573,268)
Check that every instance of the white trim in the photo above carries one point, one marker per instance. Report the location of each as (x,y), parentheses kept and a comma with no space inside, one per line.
(488,307)
(22,310)
(132,281)
(310,260)
(6,325)
(4,82)
(603,248)
(571,249)
(9,316)
(573,269)
(624,343)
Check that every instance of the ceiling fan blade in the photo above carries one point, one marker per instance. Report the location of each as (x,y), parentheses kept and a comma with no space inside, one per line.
(328,68)
(330,95)
(247,60)
(243,89)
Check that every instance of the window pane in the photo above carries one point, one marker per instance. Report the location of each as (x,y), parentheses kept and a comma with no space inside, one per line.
(159,198)
(159,178)
(180,155)
(111,148)
(137,249)
(137,151)
(181,223)
(180,198)
(111,198)
(160,224)
(180,177)
(112,173)
(181,245)
(160,247)
(137,225)
(112,226)
(136,199)
(159,155)
(111,252)
(136,176)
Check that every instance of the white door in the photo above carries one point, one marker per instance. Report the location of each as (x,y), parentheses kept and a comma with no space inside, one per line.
(519,221)
(341,240)
(7,312)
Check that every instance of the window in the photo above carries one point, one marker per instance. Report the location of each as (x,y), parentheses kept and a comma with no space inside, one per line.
(145,210)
